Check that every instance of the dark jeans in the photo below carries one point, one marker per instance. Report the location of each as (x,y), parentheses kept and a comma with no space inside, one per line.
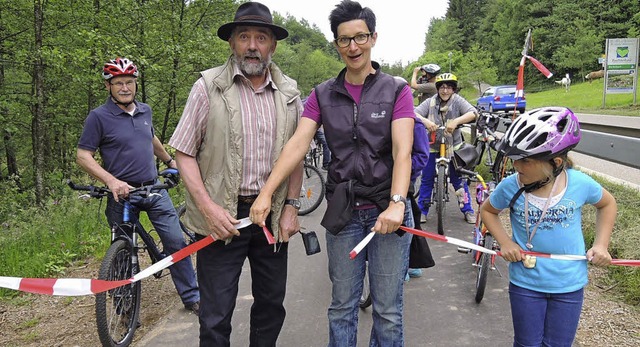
(219,267)
(326,153)
(543,319)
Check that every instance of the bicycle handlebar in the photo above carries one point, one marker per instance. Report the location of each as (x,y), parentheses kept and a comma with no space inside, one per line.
(171,179)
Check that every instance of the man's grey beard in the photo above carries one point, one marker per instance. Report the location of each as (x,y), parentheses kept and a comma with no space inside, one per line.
(249,68)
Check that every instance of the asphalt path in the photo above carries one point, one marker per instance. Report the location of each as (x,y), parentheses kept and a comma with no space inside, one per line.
(440,309)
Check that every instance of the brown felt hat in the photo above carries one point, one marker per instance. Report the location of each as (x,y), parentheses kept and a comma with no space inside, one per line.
(252,14)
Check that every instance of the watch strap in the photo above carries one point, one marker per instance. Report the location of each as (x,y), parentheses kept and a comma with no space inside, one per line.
(293,202)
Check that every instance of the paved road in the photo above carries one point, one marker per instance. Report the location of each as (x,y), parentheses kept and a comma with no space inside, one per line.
(439,307)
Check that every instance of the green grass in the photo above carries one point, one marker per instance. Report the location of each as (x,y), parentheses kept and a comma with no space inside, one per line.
(585,98)
(44,242)
(582,98)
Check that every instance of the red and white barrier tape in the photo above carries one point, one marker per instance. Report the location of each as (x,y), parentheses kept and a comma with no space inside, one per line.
(462,243)
(85,286)
(620,262)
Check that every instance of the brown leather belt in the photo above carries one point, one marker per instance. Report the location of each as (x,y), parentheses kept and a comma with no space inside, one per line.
(247,199)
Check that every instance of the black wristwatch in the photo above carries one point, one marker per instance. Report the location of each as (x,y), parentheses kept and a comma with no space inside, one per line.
(293,202)
(168,161)
(398,198)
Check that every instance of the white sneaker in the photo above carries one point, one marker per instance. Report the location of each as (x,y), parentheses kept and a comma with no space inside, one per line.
(423,218)
(470,217)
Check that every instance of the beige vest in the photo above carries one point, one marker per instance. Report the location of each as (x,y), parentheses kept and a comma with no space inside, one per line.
(220,154)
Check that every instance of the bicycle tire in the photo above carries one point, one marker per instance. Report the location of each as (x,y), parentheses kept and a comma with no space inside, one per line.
(312,190)
(502,167)
(441,202)
(484,265)
(365,298)
(117,310)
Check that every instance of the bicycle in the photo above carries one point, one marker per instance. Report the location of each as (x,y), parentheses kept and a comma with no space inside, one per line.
(313,182)
(483,262)
(117,310)
(499,166)
(440,195)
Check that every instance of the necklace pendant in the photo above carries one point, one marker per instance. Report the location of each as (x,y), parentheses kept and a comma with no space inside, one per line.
(529,245)
(529,261)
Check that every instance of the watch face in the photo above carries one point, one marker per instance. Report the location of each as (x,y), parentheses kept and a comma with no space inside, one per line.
(398,198)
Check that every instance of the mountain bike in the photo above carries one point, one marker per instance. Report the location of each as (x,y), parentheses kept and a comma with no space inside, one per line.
(117,310)
(440,193)
(483,262)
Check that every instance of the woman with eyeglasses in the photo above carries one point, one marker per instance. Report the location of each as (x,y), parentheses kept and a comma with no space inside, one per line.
(368,121)
(449,109)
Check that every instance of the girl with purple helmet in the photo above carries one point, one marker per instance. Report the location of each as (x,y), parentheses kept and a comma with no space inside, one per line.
(544,198)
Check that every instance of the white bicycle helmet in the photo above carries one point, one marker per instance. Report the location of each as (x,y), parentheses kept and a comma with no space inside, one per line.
(432,69)
(542,133)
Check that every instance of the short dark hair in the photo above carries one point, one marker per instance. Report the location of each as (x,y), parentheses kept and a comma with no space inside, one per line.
(349,10)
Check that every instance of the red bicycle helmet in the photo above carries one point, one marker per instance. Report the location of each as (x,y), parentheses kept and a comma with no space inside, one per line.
(119,67)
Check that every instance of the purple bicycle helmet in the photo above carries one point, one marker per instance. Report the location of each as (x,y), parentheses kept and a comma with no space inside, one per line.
(543,133)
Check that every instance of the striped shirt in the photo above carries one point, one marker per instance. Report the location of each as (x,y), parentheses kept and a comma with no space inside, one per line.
(258,121)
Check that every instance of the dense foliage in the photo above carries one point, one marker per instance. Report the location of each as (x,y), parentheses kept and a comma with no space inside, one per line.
(51,53)
(568,36)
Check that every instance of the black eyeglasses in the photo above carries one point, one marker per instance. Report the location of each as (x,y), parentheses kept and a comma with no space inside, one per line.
(345,41)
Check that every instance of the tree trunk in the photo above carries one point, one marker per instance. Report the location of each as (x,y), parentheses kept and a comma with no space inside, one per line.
(37,125)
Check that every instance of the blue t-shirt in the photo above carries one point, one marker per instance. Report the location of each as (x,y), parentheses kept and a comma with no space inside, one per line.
(125,142)
(560,232)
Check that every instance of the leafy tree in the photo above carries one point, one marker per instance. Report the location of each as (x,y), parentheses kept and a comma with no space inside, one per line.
(467,14)
(444,35)
(476,68)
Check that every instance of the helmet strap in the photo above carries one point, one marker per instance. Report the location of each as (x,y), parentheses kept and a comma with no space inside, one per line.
(528,188)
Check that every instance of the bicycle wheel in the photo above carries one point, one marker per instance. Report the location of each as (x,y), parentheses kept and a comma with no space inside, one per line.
(441,202)
(484,265)
(312,191)
(502,167)
(117,310)
(365,298)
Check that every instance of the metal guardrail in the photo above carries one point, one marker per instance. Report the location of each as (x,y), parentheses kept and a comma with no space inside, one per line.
(616,141)
(623,150)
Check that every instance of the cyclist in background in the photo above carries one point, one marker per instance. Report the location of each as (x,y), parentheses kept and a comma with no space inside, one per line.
(449,109)
(425,85)
(122,130)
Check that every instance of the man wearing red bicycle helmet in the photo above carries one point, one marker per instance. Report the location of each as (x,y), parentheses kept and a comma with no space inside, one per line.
(122,130)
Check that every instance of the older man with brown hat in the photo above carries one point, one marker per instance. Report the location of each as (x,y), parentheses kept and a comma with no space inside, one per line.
(235,123)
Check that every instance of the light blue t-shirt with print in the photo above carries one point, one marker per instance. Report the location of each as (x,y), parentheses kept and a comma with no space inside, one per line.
(560,232)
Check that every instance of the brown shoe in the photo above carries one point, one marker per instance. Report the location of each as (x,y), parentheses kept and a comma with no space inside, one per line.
(195,308)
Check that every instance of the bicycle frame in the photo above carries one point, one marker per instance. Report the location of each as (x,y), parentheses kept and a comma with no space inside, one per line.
(440,193)
(131,231)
